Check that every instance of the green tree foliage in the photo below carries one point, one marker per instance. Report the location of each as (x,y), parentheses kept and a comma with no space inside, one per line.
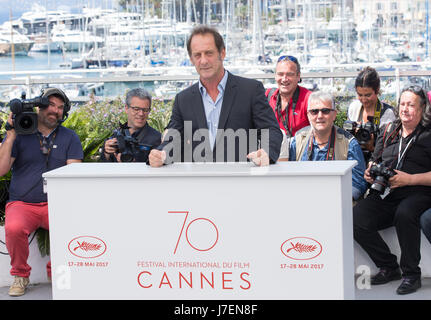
(94,122)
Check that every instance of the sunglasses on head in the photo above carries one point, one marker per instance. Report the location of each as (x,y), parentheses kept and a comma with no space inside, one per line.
(325,111)
(418,90)
(288,58)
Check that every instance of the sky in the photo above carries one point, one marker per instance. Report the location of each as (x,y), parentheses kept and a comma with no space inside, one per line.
(20,6)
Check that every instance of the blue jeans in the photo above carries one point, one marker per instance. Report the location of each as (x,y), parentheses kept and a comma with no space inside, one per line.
(426,224)
(356,193)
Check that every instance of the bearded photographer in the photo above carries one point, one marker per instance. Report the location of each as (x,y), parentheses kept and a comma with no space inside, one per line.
(134,140)
(400,192)
(30,153)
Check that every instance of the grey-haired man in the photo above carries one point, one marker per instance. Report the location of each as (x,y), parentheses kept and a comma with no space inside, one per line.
(137,136)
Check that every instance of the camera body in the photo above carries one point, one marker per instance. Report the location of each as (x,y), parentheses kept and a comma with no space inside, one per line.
(23,116)
(362,132)
(129,147)
(381,176)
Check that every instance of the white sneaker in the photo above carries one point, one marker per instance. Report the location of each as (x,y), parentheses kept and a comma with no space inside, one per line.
(18,287)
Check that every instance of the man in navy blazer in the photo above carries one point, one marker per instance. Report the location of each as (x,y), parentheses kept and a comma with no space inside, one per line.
(223,117)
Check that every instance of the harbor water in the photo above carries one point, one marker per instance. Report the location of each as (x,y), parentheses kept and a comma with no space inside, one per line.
(38,61)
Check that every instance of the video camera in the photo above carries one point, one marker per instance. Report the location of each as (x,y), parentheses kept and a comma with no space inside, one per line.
(362,131)
(24,118)
(129,147)
(381,176)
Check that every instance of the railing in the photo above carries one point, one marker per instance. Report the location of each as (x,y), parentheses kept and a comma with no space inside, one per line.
(125,75)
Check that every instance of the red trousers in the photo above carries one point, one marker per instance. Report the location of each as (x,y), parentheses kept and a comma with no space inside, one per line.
(21,219)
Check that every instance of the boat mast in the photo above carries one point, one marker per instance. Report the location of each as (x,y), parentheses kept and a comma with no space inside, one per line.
(427,26)
(11,41)
(48,45)
(284,13)
(189,12)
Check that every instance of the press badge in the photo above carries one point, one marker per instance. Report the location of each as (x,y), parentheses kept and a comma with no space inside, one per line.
(45,186)
(387,190)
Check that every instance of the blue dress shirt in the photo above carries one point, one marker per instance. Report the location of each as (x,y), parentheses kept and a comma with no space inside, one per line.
(359,185)
(213,108)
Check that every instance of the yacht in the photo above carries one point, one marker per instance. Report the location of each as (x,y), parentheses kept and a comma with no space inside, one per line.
(41,45)
(74,40)
(13,42)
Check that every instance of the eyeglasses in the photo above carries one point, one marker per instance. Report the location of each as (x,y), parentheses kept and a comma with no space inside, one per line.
(325,111)
(288,58)
(137,109)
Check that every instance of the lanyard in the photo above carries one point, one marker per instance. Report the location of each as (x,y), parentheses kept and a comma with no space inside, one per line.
(377,111)
(330,155)
(279,115)
(401,155)
(46,149)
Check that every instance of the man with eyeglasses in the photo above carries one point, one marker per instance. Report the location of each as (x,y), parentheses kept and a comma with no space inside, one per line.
(28,156)
(289,100)
(137,108)
(323,141)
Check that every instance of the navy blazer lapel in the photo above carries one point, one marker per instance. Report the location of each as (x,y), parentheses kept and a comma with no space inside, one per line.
(198,107)
(228,99)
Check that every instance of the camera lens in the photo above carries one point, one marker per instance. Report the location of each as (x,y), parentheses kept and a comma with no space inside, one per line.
(363,135)
(25,122)
(380,184)
(126,157)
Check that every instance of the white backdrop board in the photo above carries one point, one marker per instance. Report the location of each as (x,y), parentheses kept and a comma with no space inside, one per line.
(202,231)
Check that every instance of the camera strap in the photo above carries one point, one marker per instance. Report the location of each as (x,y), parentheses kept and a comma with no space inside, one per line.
(377,112)
(330,155)
(285,119)
(401,156)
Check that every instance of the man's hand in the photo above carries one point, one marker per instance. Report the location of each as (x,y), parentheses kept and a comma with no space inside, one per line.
(111,146)
(11,134)
(367,175)
(259,157)
(401,179)
(369,145)
(157,158)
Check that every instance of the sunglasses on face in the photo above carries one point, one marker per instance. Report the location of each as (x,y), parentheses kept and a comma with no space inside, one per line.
(288,58)
(325,111)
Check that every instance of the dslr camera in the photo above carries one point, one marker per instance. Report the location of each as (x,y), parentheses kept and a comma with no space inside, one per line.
(129,147)
(363,131)
(24,118)
(381,176)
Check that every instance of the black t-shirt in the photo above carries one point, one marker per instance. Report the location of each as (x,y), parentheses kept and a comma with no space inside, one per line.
(147,136)
(416,159)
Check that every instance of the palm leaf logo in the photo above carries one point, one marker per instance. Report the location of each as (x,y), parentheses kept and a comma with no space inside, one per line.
(302,248)
(86,246)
